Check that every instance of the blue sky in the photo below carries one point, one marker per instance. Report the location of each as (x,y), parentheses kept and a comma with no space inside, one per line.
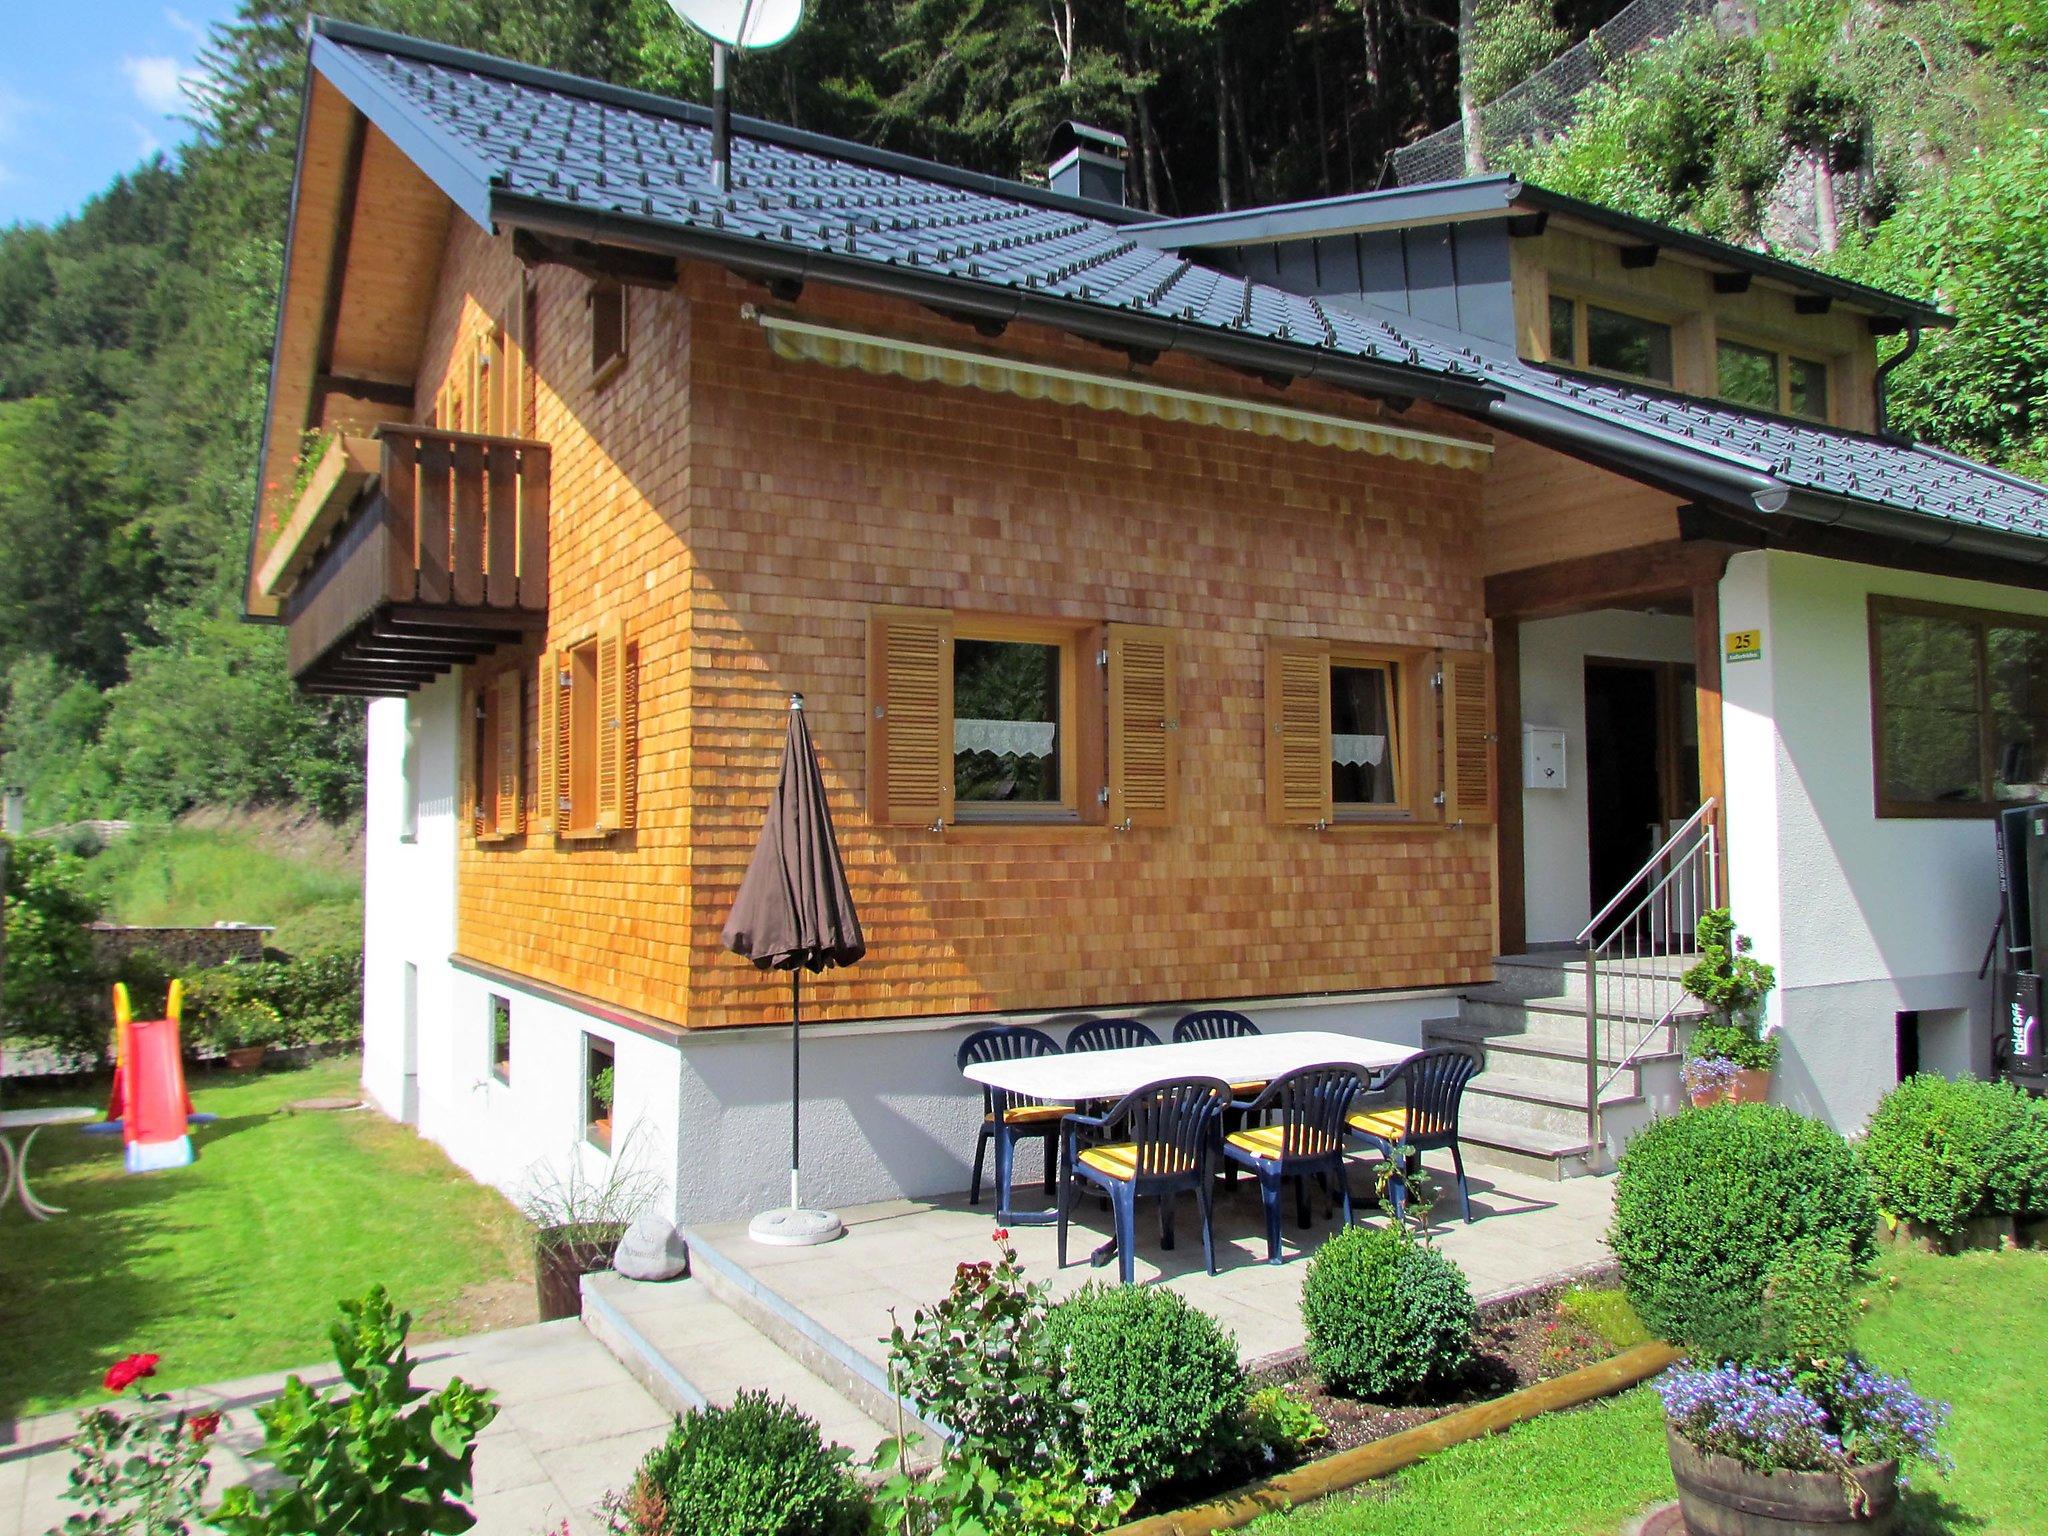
(90,88)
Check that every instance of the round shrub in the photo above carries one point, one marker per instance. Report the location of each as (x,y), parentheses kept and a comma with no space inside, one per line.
(758,1468)
(1707,1202)
(1387,1317)
(1939,1151)
(1155,1384)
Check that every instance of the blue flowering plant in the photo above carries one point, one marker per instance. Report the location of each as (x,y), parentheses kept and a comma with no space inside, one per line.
(1789,1418)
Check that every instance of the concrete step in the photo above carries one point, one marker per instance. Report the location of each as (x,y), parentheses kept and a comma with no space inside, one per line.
(1564,974)
(1510,1100)
(1524,1149)
(691,1350)
(1563,1066)
(1533,1028)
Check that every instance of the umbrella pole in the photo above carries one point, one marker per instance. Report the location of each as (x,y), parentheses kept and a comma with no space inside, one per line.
(796,1100)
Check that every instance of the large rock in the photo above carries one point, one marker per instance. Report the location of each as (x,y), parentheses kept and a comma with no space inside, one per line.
(652,1249)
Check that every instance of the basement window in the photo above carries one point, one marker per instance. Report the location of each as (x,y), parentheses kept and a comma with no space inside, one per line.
(607,330)
(500,1015)
(600,1086)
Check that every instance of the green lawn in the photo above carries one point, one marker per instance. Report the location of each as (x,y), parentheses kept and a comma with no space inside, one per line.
(233,1266)
(1972,1330)
(302,880)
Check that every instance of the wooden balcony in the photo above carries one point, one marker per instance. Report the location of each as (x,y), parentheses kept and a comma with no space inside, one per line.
(438,558)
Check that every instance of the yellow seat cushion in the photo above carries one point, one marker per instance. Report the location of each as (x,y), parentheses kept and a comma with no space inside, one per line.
(1387,1124)
(1268,1142)
(1248,1087)
(1033,1114)
(1118,1159)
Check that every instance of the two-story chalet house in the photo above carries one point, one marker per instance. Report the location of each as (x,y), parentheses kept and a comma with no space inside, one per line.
(1295,608)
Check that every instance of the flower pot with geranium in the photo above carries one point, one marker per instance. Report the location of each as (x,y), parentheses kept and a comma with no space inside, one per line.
(1730,1057)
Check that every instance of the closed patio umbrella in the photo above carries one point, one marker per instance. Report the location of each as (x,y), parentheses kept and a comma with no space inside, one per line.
(794,913)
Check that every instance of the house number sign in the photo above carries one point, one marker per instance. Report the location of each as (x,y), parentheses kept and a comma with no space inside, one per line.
(1742,645)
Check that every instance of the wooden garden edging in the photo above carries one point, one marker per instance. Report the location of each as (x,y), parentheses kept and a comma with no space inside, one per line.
(1347,1469)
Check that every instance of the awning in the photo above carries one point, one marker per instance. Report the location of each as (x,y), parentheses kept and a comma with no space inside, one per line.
(800,341)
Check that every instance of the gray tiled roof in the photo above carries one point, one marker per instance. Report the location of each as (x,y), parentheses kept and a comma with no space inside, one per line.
(498,136)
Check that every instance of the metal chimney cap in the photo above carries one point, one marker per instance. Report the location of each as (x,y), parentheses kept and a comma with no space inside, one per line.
(1077,135)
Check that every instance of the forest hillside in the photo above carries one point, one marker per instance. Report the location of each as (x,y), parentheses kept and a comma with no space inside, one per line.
(1900,143)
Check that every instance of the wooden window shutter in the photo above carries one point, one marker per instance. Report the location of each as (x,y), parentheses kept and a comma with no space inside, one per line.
(509,722)
(550,766)
(1144,726)
(617,722)
(910,716)
(1298,732)
(1469,787)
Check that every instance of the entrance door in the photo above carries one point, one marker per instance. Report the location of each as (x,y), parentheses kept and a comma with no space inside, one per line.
(1642,765)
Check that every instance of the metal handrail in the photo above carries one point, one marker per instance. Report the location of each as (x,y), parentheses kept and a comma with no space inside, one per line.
(1664,904)
(1706,809)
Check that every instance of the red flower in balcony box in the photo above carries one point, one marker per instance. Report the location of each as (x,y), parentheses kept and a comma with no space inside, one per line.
(203,1427)
(125,1373)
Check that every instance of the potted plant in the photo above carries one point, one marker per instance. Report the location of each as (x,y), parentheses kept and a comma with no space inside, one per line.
(1729,1058)
(602,1088)
(1785,1431)
(247,1029)
(577,1222)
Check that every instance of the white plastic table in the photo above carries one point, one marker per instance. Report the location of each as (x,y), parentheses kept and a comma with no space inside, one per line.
(1080,1077)
(14,1173)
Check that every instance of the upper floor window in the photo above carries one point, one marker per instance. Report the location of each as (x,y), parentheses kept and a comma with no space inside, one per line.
(1771,380)
(589,718)
(1604,340)
(607,329)
(1960,706)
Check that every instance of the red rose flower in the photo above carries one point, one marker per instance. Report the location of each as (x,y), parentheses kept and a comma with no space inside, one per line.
(203,1427)
(125,1373)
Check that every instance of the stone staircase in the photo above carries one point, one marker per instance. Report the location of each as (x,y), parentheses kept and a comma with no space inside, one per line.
(1527,1108)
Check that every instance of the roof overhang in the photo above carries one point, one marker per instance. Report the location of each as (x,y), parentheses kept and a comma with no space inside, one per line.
(1505,197)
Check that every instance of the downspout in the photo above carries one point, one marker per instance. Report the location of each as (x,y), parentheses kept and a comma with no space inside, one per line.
(1884,373)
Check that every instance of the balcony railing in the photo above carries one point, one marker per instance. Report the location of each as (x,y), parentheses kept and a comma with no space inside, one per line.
(439,559)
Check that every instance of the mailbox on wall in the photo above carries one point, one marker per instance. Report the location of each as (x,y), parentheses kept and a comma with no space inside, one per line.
(1542,757)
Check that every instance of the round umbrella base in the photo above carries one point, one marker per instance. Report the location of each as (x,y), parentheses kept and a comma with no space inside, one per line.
(789,1228)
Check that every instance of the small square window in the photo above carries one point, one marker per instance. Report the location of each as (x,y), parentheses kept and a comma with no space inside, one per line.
(1363,736)
(1008,741)
(1619,343)
(600,1087)
(607,329)
(500,1015)
(1747,375)
(1806,388)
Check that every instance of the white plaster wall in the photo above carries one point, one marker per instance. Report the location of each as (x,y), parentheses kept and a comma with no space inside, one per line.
(886,1112)
(1864,916)
(409,896)
(1556,878)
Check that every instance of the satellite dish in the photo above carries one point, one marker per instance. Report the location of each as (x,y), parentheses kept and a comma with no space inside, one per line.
(748,25)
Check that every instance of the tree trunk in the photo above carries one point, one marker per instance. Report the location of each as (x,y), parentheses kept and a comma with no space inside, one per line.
(1222,132)
(1826,217)
(1468,104)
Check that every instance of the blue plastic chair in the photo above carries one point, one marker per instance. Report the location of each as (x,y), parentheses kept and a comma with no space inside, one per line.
(1304,1139)
(1432,1087)
(1213,1024)
(1110,1035)
(1159,1140)
(1007,1117)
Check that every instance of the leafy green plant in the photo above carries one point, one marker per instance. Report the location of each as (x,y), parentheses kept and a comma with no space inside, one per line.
(1743,1044)
(569,1208)
(1606,1311)
(1940,1151)
(1387,1317)
(144,1473)
(381,1458)
(1705,1203)
(967,1495)
(1154,1382)
(271,1002)
(757,1468)
(970,1361)
(1279,1426)
(604,1088)
(52,983)
(1404,1171)
(1726,977)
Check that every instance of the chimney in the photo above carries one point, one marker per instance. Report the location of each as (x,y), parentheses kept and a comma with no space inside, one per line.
(1087,162)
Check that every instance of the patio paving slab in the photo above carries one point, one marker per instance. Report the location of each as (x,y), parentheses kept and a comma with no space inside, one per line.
(901,1253)
(572,1426)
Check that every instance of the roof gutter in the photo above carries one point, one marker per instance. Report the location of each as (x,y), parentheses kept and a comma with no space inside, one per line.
(1928,532)
(984,301)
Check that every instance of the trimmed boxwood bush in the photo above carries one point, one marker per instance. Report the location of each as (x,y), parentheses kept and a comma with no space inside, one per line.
(1707,1202)
(1155,1383)
(1939,1152)
(758,1468)
(1387,1317)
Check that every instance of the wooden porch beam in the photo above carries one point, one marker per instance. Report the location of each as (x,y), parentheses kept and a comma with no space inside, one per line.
(1706,671)
(633,269)
(1800,537)
(337,262)
(1669,569)
(370,391)
(1513,932)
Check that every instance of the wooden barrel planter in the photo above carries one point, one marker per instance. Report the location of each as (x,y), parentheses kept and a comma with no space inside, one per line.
(1719,1496)
(559,1265)
(246,1058)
